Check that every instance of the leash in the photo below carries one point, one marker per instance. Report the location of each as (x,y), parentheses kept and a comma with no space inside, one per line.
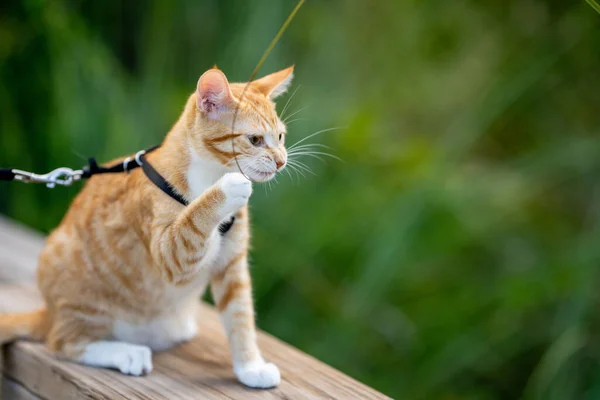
(64,176)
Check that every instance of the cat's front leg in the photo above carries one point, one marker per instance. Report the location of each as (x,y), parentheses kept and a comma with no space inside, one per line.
(232,293)
(180,246)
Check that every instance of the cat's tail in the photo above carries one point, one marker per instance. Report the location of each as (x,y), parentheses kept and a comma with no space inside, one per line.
(31,325)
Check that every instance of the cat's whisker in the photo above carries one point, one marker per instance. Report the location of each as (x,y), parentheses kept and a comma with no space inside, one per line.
(301,170)
(310,155)
(304,152)
(297,162)
(287,171)
(294,113)
(308,146)
(297,171)
(316,153)
(287,103)
(314,144)
(314,134)
(294,120)
(302,166)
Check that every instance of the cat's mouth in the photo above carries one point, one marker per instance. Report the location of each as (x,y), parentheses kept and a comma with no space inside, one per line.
(260,176)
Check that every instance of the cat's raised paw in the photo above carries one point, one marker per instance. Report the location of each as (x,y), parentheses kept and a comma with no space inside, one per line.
(258,374)
(237,190)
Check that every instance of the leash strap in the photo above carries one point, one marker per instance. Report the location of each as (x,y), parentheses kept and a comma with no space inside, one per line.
(66,176)
(6,174)
(130,163)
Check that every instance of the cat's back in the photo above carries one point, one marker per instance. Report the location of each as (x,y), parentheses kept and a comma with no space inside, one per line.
(108,202)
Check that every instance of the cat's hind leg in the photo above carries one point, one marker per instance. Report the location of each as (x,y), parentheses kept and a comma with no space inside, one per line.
(83,340)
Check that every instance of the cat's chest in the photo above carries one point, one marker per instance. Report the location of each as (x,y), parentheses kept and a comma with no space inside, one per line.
(202,174)
(198,185)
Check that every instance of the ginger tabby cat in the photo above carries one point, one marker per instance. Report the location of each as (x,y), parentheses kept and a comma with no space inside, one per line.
(123,273)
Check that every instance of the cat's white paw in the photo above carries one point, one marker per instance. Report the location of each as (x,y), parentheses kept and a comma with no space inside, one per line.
(258,374)
(237,190)
(130,359)
(135,360)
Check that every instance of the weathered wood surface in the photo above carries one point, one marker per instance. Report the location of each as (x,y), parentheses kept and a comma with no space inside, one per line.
(200,369)
(11,390)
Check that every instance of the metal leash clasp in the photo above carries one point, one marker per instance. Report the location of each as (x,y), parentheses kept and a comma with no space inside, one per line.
(60,176)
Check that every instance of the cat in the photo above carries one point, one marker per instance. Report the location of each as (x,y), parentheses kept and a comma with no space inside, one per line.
(123,273)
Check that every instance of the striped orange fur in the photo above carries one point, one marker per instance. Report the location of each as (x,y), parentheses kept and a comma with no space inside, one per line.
(123,273)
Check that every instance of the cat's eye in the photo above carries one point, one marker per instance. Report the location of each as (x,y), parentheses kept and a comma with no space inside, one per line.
(280,136)
(255,140)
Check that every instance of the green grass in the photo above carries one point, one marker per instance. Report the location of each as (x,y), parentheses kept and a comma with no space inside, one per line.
(594,5)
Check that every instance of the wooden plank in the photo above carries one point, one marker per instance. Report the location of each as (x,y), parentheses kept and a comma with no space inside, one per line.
(198,369)
(11,390)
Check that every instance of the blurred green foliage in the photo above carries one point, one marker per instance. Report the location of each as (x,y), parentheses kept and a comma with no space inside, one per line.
(454,253)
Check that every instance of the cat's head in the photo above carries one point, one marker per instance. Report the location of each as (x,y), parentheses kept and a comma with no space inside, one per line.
(258,136)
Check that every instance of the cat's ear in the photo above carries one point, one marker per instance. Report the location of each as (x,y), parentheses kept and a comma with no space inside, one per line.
(213,94)
(275,84)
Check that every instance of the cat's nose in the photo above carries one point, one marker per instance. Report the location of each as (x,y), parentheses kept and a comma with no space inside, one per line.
(279,163)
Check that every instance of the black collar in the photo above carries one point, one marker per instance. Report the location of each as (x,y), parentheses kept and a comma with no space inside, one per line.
(161,182)
(166,187)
